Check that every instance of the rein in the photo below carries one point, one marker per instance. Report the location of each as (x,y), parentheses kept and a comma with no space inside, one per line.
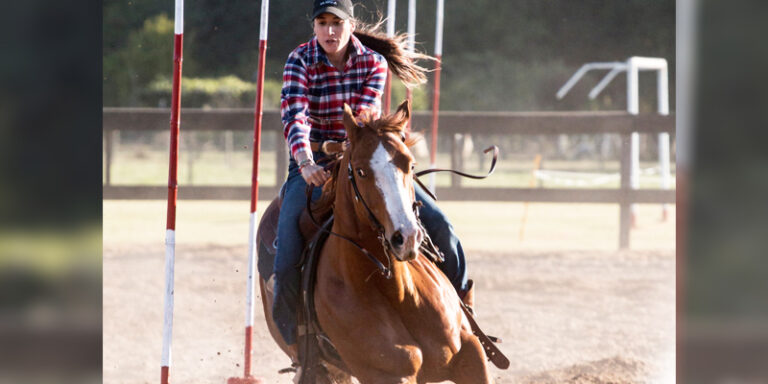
(493,148)
(386,271)
(427,247)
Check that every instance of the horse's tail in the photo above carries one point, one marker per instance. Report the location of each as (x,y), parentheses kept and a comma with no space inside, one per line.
(401,61)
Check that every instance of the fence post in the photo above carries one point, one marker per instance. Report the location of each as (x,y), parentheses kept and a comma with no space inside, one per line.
(281,160)
(625,208)
(457,160)
(109,139)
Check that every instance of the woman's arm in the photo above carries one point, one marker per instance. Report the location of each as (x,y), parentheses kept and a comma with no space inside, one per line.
(370,95)
(294,106)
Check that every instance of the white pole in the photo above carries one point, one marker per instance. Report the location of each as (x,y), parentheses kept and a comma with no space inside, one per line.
(685,50)
(439,28)
(411,25)
(662,89)
(436,92)
(253,219)
(633,107)
(387,97)
(391,17)
(170,232)
(411,45)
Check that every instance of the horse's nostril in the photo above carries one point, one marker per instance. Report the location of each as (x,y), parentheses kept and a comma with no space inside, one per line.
(397,240)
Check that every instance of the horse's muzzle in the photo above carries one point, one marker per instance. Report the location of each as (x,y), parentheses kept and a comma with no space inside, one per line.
(405,243)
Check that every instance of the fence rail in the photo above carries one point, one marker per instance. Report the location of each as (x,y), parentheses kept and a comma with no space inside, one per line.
(451,122)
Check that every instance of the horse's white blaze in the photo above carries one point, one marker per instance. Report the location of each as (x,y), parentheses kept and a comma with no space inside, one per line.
(389,180)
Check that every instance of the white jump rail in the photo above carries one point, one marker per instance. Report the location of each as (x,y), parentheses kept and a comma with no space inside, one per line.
(632,66)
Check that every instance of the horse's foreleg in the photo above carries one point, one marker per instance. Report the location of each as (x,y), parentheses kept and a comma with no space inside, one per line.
(469,365)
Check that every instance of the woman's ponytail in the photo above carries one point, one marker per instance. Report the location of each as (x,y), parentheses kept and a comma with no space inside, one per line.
(401,61)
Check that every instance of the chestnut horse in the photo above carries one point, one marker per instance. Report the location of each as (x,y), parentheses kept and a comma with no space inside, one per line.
(407,327)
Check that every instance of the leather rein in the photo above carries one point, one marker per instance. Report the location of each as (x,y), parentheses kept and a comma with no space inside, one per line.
(427,246)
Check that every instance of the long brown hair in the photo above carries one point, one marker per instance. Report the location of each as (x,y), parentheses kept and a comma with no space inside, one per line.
(401,61)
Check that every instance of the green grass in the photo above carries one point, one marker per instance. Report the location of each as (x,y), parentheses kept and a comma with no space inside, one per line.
(142,165)
(50,251)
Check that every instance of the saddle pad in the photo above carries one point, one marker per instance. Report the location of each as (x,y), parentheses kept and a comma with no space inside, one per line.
(265,239)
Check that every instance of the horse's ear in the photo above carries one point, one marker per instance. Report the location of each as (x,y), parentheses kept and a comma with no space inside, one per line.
(403,113)
(349,123)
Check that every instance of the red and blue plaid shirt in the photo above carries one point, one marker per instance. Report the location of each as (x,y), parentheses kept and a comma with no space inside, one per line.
(314,92)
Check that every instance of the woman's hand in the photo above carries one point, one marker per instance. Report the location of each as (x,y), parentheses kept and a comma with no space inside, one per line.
(314,174)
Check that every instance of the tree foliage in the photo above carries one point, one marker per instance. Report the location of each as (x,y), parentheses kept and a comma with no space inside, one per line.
(497,55)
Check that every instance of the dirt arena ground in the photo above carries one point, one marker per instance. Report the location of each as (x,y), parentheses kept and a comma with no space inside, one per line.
(569,306)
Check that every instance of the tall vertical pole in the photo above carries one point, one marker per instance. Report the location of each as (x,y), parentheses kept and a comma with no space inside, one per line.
(170,228)
(391,33)
(633,107)
(253,223)
(662,87)
(685,49)
(411,47)
(436,89)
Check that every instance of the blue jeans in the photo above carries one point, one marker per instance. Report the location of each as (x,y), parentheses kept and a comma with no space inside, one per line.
(290,245)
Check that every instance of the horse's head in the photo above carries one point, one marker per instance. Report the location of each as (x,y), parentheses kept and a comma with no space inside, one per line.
(382,171)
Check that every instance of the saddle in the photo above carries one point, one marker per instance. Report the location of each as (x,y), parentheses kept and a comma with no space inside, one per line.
(313,345)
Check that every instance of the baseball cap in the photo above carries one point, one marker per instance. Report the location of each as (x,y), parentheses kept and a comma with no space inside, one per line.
(340,8)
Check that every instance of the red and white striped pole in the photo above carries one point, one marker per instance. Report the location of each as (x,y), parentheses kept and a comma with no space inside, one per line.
(436,89)
(390,32)
(253,225)
(170,232)
(411,46)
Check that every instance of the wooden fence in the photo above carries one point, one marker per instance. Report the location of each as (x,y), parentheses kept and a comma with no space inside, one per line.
(451,122)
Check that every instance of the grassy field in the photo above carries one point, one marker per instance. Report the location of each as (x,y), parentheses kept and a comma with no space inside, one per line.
(143,165)
(482,226)
(50,251)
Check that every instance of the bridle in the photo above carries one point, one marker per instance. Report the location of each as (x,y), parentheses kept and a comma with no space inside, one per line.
(386,271)
(386,245)
(427,246)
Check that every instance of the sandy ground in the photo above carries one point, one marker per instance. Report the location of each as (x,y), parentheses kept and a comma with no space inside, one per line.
(581,314)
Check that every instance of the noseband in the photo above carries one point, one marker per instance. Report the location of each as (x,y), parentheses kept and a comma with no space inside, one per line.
(427,247)
(386,245)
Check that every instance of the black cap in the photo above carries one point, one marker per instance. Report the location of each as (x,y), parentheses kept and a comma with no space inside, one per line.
(340,8)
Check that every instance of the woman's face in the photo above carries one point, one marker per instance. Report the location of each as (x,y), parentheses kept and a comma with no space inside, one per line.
(332,33)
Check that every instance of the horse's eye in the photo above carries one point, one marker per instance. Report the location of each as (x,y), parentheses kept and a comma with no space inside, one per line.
(413,167)
(360,172)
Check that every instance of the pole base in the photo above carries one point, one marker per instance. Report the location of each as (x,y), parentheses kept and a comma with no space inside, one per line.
(245,380)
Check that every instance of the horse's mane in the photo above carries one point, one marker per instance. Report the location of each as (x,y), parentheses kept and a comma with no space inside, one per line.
(387,124)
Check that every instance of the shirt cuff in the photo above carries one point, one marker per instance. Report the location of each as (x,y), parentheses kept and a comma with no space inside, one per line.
(302,146)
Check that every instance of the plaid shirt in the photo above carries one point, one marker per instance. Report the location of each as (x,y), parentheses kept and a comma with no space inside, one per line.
(314,92)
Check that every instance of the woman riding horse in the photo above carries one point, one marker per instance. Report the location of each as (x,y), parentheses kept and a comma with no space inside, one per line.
(345,62)
(404,325)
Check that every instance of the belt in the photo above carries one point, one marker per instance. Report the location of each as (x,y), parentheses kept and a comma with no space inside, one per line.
(328,147)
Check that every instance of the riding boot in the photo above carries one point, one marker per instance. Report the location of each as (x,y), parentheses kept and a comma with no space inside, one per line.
(468,296)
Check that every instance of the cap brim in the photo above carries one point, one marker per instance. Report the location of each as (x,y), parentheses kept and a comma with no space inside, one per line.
(332,10)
